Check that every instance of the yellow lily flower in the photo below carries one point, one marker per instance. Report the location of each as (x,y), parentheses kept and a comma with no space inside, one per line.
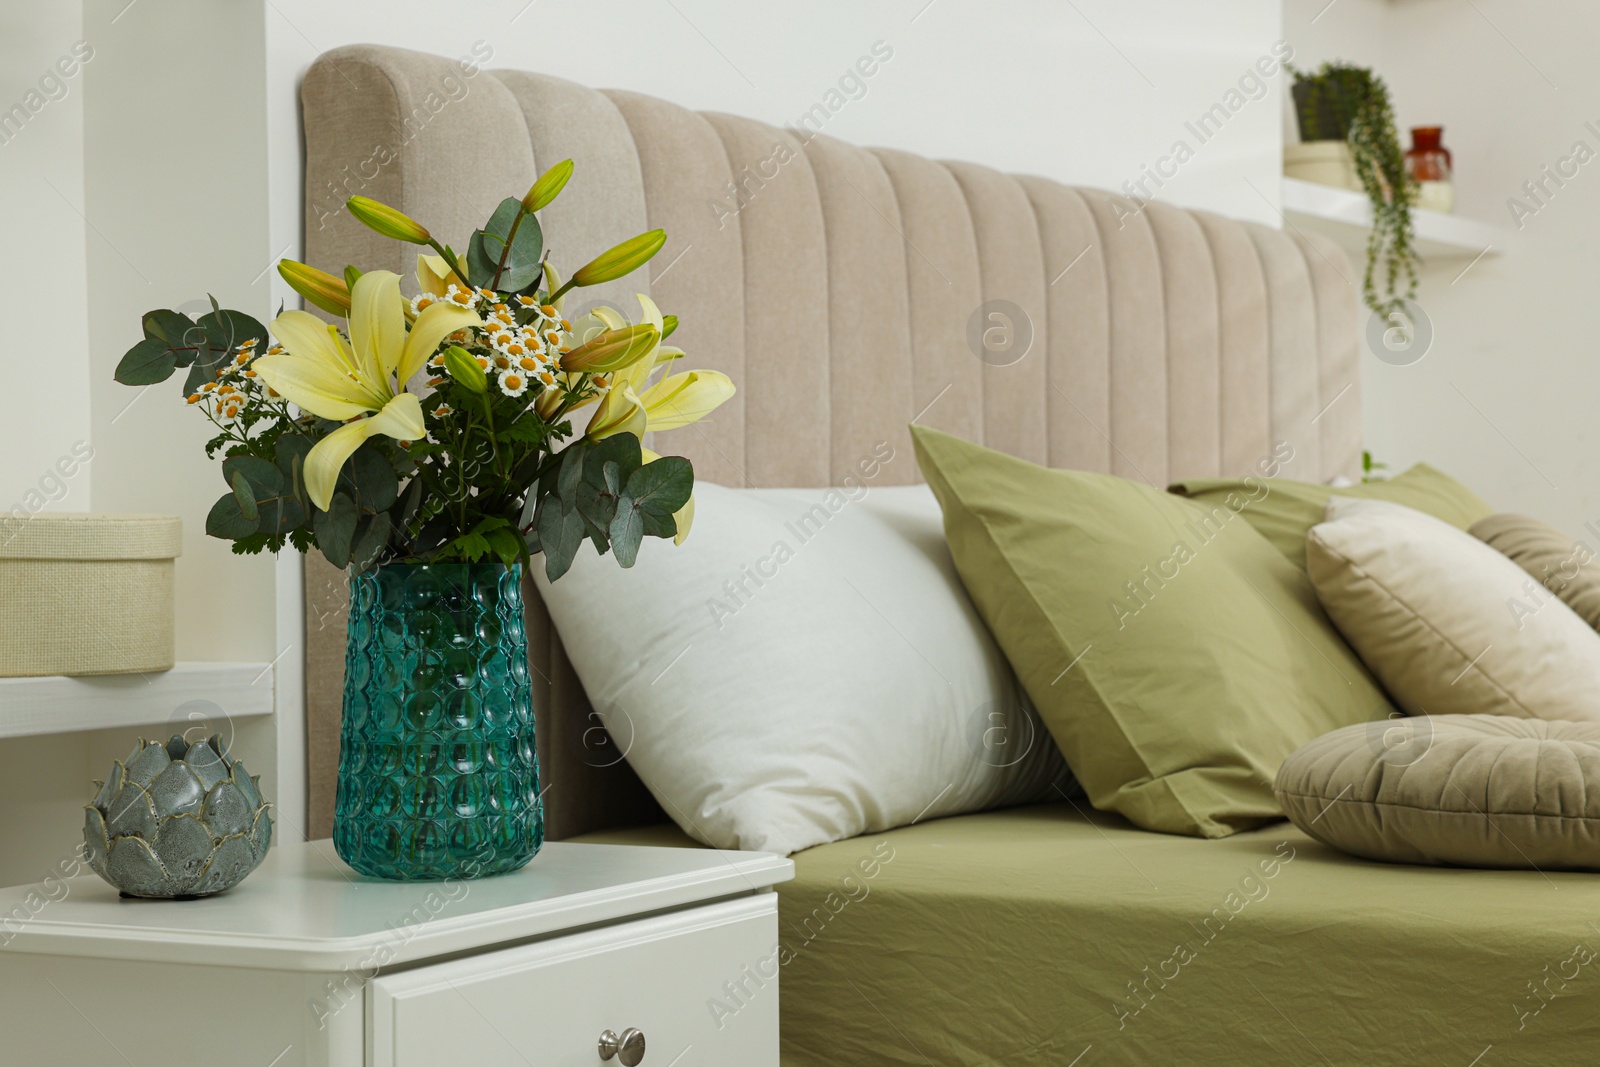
(674,401)
(361,379)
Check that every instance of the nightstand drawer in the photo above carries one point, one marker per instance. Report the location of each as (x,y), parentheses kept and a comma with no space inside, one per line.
(701,985)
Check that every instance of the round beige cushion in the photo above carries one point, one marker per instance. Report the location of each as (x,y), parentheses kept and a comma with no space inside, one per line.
(1465,790)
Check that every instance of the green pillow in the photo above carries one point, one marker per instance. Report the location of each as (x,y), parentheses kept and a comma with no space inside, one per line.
(1285,510)
(1175,668)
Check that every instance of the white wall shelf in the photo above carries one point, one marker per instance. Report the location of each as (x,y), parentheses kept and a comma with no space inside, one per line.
(57,705)
(1347,217)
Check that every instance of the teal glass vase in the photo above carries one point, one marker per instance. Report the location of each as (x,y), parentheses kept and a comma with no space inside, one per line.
(438,774)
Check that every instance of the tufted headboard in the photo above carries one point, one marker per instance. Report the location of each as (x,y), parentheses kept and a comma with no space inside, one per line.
(842,288)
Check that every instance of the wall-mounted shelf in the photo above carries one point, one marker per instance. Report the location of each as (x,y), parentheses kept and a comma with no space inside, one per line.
(1347,217)
(56,705)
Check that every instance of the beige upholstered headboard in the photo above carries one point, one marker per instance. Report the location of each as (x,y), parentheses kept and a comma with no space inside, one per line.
(837,286)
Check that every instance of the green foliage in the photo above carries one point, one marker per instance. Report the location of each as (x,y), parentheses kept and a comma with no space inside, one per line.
(1343,102)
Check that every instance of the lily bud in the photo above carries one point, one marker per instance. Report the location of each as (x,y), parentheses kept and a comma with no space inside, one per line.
(668,324)
(319,288)
(550,183)
(351,276)
(622,260)
(613,350)
(387,221)
(461,366)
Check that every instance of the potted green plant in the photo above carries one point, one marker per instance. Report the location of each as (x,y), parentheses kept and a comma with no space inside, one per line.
(425,443)
(1348,138)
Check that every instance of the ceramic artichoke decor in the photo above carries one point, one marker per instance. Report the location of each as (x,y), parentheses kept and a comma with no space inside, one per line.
(177,820)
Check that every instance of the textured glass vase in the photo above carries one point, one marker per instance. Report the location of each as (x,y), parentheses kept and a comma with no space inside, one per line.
(438,776)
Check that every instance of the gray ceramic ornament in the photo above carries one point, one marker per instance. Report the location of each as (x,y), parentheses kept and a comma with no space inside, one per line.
(177,820)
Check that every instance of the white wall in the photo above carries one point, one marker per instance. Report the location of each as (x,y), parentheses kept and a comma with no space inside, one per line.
(44,358)
(1087,93)
(1507,396)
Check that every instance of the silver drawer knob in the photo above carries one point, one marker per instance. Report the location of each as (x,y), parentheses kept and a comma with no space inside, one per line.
(628,1049)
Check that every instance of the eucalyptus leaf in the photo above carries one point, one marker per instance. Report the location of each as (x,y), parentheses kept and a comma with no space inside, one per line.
(571,474)
(146,363)
(370,479)
(290,453)
(264,477)
(621,449)
(560,534)
(336,529)
(372,536)
(280,514)
(661,487)
(596,505)
(627,530)
(410,503)
(177,331)
(245,496)
(660,525)
(522,263)
(227,521)
(227,330)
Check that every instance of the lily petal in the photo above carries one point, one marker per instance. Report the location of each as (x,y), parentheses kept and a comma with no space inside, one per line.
(436,322)
(377,325)
(401,418)
(303,334)
(684,517)
(316,385)
(613,318)
(683,398)
(433,274)
(619,412)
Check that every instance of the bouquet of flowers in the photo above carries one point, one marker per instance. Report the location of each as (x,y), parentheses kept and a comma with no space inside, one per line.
(437,427)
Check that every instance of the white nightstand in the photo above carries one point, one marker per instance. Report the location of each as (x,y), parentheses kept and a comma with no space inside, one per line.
(306,964)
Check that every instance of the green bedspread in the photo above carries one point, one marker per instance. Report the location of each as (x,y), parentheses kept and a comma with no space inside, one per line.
(1043,936)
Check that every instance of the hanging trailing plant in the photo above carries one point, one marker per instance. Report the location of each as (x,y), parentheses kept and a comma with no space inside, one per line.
(1341,102)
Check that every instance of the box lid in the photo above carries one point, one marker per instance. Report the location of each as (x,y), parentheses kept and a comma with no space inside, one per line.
(76,535)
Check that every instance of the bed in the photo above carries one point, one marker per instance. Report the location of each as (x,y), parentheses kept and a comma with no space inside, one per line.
(1165,344)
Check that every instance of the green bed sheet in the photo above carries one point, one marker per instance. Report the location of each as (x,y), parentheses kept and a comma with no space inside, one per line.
(1050,935)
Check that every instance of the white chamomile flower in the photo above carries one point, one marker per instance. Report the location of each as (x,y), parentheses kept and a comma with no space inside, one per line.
(442,410)
(422,302)
(460,297)
(513,383)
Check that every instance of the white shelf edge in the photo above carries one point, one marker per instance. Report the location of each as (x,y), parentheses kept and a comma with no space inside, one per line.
(57,705)
(1347,216)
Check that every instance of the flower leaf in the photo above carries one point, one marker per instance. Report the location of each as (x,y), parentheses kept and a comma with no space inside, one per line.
(522,264)
(227,521)
(336,529)
(146,363)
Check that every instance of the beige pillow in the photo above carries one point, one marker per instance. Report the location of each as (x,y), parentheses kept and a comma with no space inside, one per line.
(1468,790)
(1562,565)
(1430,610)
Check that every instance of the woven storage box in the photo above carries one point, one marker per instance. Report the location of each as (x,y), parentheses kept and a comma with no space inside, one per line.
(87,594)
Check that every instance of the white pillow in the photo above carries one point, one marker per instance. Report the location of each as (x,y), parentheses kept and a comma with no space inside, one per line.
(1448,624)
(805,668)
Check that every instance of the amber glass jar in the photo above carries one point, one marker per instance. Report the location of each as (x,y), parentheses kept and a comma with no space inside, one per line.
(1428,163)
